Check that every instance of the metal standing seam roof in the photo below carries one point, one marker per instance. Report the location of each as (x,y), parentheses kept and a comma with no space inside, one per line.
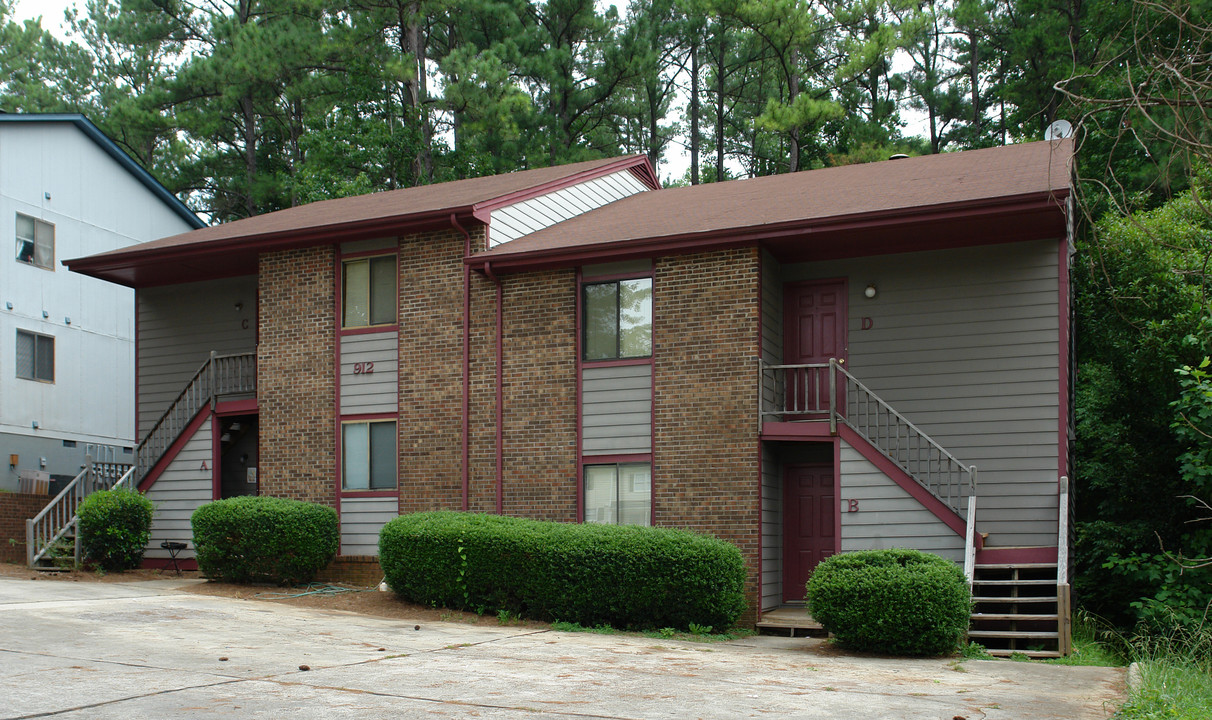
(889,188)
(110,148)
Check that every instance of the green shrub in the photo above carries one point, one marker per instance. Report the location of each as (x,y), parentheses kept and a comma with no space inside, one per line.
(624,576)
(254,538)
(115,526)
(900,602)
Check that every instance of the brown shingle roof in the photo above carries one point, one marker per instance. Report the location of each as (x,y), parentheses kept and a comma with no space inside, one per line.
(805,199)
(230,248)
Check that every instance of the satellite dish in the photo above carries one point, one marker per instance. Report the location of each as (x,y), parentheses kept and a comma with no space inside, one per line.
(1058,130)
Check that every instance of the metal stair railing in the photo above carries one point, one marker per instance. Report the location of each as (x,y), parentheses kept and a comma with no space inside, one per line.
(219,375)
(827,392)
(44,531)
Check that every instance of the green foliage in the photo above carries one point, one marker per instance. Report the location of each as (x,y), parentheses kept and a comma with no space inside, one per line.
(256,538)
(1175,675)
(115,526)
(623,576)
(901,602)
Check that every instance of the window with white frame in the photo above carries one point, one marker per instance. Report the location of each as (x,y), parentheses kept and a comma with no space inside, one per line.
(368,291)
(35,356)
(35,242)
(368,455)
(617,319)
(619,493)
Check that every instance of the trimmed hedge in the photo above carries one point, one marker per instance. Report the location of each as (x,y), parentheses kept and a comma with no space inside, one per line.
(900,602)
(257,538)
(115,526)
(621,575)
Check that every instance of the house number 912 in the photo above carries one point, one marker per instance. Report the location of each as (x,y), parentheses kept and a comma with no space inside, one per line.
(364,368)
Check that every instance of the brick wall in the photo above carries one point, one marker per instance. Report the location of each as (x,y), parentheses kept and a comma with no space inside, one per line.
(363,570)
(296,391)
(431,370)
(705,451)
(15,509)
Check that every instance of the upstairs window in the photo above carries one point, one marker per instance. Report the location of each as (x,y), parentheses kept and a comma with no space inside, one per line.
(617,319)
(35,356)
(368,295)
(35,242)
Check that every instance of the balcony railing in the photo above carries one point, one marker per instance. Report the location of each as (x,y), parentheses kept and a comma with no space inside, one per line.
(827,392)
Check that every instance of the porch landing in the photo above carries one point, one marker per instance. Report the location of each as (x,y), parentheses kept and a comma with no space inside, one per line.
(790,620)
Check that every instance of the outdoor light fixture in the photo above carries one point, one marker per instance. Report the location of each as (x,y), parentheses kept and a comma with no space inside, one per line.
(870,291)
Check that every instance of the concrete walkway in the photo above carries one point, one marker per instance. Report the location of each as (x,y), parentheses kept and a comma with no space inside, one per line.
(145,650)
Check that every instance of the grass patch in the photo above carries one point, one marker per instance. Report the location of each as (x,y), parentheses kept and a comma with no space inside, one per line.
(1175,675)
(702,634)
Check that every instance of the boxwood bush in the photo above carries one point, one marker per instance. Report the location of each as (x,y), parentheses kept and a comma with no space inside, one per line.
(900,602)
(624,576)
(256,538)
(115,526)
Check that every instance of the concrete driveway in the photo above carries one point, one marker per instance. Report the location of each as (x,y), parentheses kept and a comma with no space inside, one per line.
(146,650)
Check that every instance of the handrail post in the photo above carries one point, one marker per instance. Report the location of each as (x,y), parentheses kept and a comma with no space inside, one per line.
(1062,539)
(833,396)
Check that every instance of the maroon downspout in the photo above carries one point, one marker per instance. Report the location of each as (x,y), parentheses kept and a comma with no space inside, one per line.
(500,389)
(454,221)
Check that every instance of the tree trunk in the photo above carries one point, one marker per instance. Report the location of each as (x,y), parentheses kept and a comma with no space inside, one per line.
(250,153)
(793,90)
(694,114)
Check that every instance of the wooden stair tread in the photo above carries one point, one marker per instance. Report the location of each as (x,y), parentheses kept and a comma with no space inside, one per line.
(1014,616)
(1014,582)
(1002,652)
(1019,599)
(1015,566)
(1026,634)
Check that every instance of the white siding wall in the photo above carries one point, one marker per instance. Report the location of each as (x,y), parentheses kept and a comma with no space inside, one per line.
(616,406)
(772,529)
(361,521)
(375,391)
(964,343)
(182,488)
(179,326)
(54,173)
(888,516)
(513,221)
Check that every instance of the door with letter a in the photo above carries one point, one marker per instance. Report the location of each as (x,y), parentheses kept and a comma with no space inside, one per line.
(809,524)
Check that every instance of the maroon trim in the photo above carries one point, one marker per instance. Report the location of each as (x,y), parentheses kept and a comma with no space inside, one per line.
(337,320)
(137,336)
(618,363)
(370,253)
(761,488)
(949,517)
(616,459)
(634,275)
(341,492)
(1062,448)
(837,493)
(1044,555)
(367,417)
(175,449)
(724,238)
(237,407)
(579,403)
(772,430)
(466,361)
(637,164)
(216,456)
(369,330)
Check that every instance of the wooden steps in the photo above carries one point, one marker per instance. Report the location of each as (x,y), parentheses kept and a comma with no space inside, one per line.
(1018,608)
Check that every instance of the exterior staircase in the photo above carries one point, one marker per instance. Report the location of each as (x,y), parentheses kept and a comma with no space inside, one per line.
(1020,609)
(50,533)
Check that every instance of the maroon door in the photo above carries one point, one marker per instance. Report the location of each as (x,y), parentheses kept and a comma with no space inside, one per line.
(814,330)
(809,524)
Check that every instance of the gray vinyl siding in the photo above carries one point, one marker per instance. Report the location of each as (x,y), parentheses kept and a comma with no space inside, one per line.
(772,529)
(887,515)
(183,487)
(964,343)
(616,410)
(361,521)
(772,324)
(179,326)
(375,392)
(513,221)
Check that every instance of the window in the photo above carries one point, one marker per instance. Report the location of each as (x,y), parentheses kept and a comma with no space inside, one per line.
(369,291)
(35,242)
(368,455)
(618,319)
(35,356)
(619,494)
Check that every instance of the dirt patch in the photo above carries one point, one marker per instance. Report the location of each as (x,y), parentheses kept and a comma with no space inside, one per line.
(349,598)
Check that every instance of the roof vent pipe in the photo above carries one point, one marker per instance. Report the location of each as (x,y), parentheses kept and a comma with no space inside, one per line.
(898,156)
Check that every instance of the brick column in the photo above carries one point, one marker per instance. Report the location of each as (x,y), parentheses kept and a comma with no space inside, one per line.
(705,332)
(296,391)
